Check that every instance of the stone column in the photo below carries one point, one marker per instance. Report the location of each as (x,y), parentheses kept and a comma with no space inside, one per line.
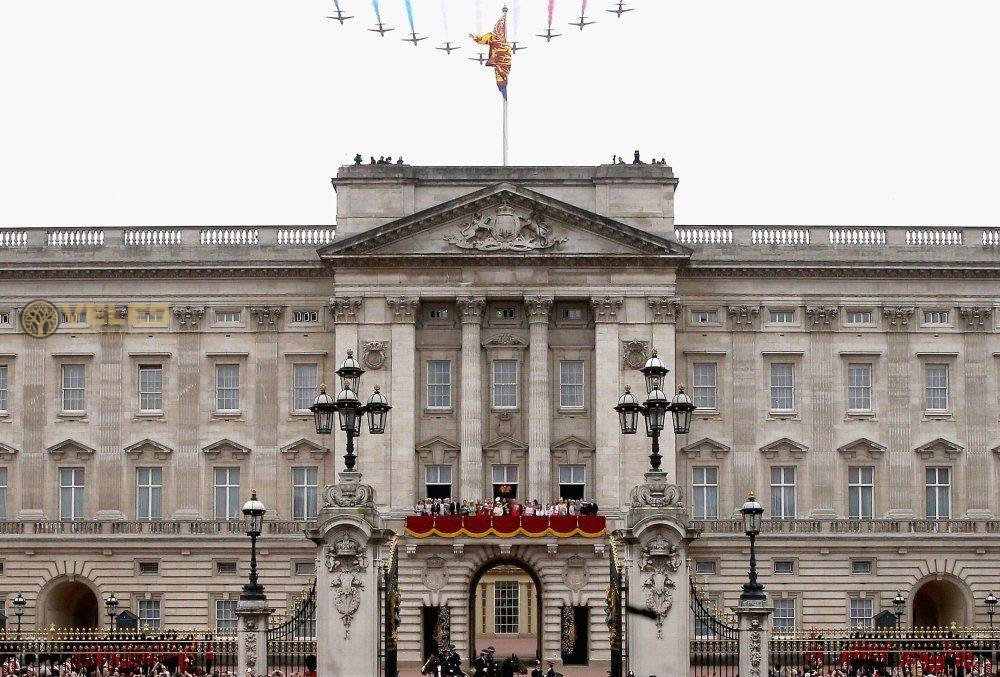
(345,310)
(978,320)
(189,458)
(252,636)
(755,638)
(663,311)
(746,390)
(896,320)
(607,383)
(471,404)
(110,378)
(820,376)
(539,405)
(348,535)
(403,419)
(658,536)
(264,468)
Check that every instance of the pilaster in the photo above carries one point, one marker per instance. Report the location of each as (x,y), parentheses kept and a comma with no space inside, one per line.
(896,320)
(539,404)
(744,320)
(189,457)
(265,407)
(402,428)
(471,405)
(108,462)
(33,465)
(820,377)
(607,380)
(663,315)
(977,321)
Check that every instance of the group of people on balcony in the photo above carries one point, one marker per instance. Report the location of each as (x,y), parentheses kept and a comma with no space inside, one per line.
(499,507)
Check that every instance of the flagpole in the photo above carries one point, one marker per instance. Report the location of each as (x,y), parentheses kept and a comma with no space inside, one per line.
(505,131)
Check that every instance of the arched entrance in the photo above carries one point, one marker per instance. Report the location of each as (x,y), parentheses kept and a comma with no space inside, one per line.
(68,603)
(505,606)
(939,602)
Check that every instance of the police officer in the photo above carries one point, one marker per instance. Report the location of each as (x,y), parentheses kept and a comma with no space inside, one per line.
(453,663)
(481,664)
(538,672)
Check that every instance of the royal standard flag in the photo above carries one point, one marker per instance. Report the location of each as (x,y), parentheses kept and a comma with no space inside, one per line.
(501,53)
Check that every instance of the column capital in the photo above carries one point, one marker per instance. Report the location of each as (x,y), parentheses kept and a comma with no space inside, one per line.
(977,318)
(606,308)
(821,317)
(267,316)
(897,317)
(744,317)
(404,308)
(188,317)
(345,308)
(538,308)
(471,308)
(665,309)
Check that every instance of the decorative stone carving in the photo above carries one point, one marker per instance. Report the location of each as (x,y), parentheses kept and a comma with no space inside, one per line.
(744,318)
(575,574)
(664,309)
(821,317)
(656,492)
(112,315)
(236,450)
(346,561)
(471,308)
(707,446)
(634,354)
(188,317)
(349,492)
(659,559)
(977,318)
(374,354)
(70,446)
(404,308)
(161,452)
(939,447)
(898,317)
(345,308)
(864,446)
(784,445)
(505,230)
(538,308)
(606,308)
(435,575)
(292,450)
(505,339)
(250,641)
(756,651)
(267,316)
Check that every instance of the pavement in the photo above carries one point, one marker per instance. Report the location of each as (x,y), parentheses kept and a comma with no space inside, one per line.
(525,648)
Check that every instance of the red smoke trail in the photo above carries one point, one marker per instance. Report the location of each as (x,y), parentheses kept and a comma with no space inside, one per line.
(583,8)
(552,6)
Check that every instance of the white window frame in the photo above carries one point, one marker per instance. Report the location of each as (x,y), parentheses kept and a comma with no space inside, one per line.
(851,319)
(228,317)
(575,476)
(439,314)
(781,393)
(782,489)
(305,316)
(439,391)
(149,484)
(860,392)
(705,492)
(779,567)
(74,388)
(4,388)
(149,611)
(497,385)
(862,612)
(936,318)
(932,393)
(706,568)
(704,317)
(231,495)
(226,620)
(73,480)
(784,617)
(939,488)
(222,392)
(305,493)
(150,392)
(861,483)
(505,472)
(3,493)
(304,389)
(703,388)
(506,607)
(569,391)
(781,316)
(568,313)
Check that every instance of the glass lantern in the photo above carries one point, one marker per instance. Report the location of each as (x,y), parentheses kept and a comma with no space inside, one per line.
(378,411)
(628,411)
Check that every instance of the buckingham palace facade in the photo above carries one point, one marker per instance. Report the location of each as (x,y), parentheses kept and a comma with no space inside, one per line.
(848,375)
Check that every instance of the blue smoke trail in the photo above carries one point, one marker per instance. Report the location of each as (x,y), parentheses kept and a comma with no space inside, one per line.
(378,12)
(336,4)
(409,13)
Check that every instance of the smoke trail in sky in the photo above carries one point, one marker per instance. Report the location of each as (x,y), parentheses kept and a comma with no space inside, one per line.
(552,6)
(409,13)
(378,12)
(444,17)
(479,16)
(583,7)
(515,17)
(336,5)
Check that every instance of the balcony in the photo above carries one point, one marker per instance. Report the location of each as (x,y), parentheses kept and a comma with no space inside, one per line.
(143,527)
(849,527)
(507,526)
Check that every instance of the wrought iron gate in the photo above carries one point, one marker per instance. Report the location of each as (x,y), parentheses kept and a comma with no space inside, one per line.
(615,599)
(390,609)
(715,640)
(291,645)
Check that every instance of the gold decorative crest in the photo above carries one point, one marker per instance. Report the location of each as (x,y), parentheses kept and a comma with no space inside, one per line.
(39,318)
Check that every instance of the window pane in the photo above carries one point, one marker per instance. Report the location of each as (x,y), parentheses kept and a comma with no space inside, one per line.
(505,383)
(782,387)
(859,387)
(227,387)
(571,384)
(73,387)
(3,387)
(704,385)
(305,379)
(439,383)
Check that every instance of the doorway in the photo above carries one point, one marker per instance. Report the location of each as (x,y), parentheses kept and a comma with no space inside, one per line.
(505,603)
(69,604)
(575,638)
(939,603)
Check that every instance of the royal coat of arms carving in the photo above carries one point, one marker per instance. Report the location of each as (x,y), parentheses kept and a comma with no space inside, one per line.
(660,558)
(505,231)
(347,563)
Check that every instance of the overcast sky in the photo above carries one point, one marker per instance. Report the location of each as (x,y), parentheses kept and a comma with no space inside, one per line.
(120,112)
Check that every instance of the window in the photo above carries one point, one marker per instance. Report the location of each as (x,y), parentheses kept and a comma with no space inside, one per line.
(5,318)
(859,317)
(3,388)
(305,483)
(705,385)
(71,493)
(505,481)
(228,316)
(705,493)
(936,317)
(149,568)
(149,614)
(149,493)
(305,380)
(784,613)
(571,384)
(783,492)
(572,314)
(936,387)
(73,388)
(227,493)
(439,384)
(784,566)
(149,316)
(225,568)
(505,384)
(3,493)
(861,492)
(437,314)
(305,568)
(783,317)
(861,566)
(150,388)
(862,612)
(705,568)
(507,313)
(227,387)
(704,317)
(305,317)
(859,387)
(225,615)
(73,316)
(506,607)
(782,386)
(938,490)
(572,481)
(438,480)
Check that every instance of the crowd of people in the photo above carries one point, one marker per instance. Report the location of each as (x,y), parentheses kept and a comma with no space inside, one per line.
(872,658)
(447,662)
(498,507)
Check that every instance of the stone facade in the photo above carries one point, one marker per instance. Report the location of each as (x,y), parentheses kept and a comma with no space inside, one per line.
(502,310)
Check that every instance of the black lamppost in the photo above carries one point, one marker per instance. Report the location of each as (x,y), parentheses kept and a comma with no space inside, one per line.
(991,608)
(654,409)
(349,408)
(19,603)
(254,511)
(752,516)
(898,605)
(112,605)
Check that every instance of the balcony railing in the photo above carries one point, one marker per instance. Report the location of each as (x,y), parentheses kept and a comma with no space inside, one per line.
(763,237)
(845,526)
(162,527)
(506,526)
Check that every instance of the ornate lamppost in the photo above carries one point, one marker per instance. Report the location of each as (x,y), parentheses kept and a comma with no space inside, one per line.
(898,605)
(654,409)
(254,511)
(111,603)
(753,592)
(349,408)
(991,608)
(19,603)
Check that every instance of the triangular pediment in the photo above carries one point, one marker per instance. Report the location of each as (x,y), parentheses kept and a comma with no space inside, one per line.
(226,446)
(438,450)
(437,442)
(70,446)
(572,449)
(784,445)
(707,447)
(302,445)
(940,448)
(8,452)
(861,447)
(505,442)
(506,221)
(157,449)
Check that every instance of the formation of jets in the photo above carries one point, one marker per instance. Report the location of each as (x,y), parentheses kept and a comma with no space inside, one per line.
(617,9)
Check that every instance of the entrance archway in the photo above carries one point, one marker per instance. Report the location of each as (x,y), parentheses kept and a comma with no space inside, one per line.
(505,608)
(939,602)
(68,603)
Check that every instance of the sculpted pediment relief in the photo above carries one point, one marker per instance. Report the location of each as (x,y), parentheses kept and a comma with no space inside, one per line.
(303,445)
(226,446)
(861,448)
(70,447)
(502,221)
(438,450)
(707,448)
(156,449)
(939,448)
(784,446)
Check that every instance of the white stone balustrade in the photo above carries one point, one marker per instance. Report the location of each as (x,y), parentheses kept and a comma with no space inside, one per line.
(13,238)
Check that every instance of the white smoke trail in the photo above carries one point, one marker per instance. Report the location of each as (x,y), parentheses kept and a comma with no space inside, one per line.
(444,18)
